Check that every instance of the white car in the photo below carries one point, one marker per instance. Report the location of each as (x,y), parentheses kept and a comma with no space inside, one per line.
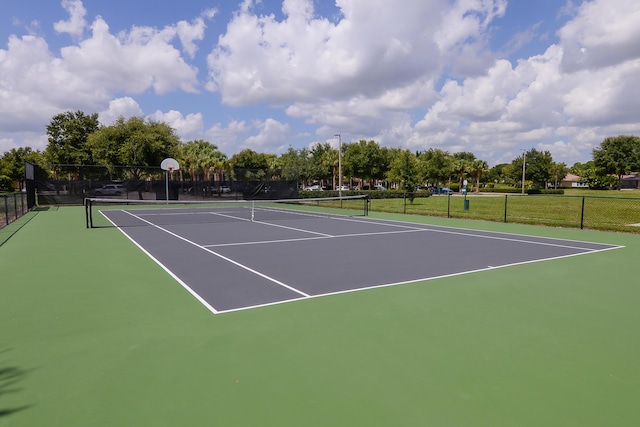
(110,190)
(314,188)
(343,188)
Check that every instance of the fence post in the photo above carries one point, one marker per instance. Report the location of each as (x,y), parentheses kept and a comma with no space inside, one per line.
(15,206)
(506,196)
(404,203)
(582,215)
(6,208)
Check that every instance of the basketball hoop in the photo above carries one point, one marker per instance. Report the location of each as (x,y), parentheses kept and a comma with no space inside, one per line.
(169,165)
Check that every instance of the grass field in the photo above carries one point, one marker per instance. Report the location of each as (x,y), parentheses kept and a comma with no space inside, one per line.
(94,333)
(598,212)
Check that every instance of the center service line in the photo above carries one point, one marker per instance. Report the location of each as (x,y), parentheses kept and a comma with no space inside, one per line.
(284,285)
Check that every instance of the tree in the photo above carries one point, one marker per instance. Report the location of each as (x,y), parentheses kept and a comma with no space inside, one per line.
(558,172)
(497,173)
(461,165)
(293,164)
(618,156)
(136,143)
(365,160)
(249,165)
(592,176)
(200,156)
(478,168)
(434,165)
(323,161)
(537,170)
(12,163)
(405,170)
(68,135)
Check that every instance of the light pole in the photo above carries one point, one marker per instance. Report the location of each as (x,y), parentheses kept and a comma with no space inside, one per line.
(524,166)
(339,164)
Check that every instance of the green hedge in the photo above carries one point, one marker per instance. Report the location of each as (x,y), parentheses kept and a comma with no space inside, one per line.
(544,191)
(501,190)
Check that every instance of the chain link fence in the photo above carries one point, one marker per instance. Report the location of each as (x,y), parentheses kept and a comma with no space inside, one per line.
(589,212)
(71,184)
(12,207)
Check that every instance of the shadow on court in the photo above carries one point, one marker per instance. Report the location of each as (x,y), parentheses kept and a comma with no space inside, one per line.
(10,378)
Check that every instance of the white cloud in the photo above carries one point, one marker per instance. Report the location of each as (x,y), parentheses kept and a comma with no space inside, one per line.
(602,34)
(189,127)
(135,61)
(121,107)
(226,138)
(272,136)
(409,73)
(36,83)
(76,23)
(378,46)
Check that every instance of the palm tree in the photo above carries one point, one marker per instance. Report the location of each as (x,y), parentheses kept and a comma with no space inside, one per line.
(459,168)
(478,167)
(559,171)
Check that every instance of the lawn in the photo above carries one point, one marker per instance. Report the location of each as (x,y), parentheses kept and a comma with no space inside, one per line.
(579,209)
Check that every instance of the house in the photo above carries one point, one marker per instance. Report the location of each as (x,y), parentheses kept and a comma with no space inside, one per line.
(573,181)
(630,181)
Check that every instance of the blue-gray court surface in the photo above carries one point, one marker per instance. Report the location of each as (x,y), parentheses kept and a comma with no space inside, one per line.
(240,263)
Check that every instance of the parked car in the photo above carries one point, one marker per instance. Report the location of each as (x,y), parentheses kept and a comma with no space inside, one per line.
(224,189)
(343,188)
(313,188)
(379,187)
(109,190)
(443,190)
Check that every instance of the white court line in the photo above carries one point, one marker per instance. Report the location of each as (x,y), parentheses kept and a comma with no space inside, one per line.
(164,267)
(408,228)
(257,273)
(470,233)
(425,279)
(302,239)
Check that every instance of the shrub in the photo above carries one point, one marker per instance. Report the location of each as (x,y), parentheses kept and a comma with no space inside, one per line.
(6,184)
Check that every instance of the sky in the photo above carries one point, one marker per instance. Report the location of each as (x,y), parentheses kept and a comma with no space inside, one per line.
(493,77)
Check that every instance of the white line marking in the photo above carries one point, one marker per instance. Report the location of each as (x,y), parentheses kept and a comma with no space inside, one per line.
(244,267)
(164,267)
(470,233)
(425,279)
(293,228)
(410,228)
(301,239)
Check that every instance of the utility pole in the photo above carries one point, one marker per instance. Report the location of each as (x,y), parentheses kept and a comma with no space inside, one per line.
(339,164)
(524,167)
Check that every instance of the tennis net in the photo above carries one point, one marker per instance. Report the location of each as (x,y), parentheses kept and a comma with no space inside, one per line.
(103,212)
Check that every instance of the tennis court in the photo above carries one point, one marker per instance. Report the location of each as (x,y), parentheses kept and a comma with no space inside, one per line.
(384,320)
(238,255)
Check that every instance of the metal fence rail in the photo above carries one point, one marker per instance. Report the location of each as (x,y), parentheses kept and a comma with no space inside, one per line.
(12,207)
(591,212)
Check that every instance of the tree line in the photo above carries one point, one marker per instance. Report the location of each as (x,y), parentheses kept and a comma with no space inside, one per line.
(77,138)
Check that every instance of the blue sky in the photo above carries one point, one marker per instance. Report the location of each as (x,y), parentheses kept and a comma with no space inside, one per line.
(488,76)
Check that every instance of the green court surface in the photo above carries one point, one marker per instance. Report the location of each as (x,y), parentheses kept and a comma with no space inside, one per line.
(94,333)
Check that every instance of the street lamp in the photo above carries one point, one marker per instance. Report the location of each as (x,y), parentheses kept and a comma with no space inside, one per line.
(524,166)
(339,164)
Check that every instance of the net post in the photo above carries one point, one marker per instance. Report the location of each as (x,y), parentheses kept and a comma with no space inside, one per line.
(86,212)
(367,200)
(89,210)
